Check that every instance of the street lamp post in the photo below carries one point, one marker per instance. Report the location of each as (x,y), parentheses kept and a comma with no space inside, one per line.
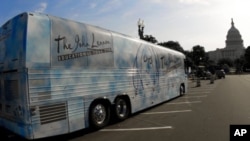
(140,28)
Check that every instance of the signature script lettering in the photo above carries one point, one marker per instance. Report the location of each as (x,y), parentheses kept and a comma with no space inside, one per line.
(79,43)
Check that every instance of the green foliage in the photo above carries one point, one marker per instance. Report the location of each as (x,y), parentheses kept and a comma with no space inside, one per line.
(172,45)
(247,55)
(239,63)
(199,56)
(226,61)
(150,39)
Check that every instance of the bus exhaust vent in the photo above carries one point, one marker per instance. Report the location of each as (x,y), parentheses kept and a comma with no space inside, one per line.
(52,113)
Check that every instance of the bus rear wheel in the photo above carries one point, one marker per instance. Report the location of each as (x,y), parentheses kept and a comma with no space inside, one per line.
(99,115)
(121,109)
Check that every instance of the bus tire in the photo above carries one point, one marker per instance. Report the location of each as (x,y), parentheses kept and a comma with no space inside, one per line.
(121,108)
(99,115)
(182,91)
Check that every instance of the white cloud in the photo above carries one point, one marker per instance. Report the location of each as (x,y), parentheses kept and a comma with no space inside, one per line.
(157,1)
(111,5)
(93,5)
(42,7)
(202,2)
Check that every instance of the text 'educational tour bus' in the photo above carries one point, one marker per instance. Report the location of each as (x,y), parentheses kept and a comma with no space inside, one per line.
(58,76)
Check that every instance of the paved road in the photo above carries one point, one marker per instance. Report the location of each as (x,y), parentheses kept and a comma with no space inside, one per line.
(204,113)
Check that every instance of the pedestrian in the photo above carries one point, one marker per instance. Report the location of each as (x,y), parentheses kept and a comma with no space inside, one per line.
(212,71)
(198,75)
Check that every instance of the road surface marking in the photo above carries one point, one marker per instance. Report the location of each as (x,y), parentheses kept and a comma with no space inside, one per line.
(198,92)
(184,102)
(195,96)
(167,112)
(137,129)
(190,93)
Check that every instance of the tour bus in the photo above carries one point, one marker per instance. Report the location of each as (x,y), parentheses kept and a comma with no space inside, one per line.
(58,76)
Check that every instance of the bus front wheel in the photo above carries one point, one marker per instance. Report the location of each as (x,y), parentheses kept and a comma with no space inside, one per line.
(99,115)
(182,91)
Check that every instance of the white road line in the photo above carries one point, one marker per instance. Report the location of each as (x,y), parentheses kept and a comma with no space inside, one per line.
(137,129)
(184,102)
(193,91)
(194,96)
(166,112)
(210,89)
(197,93)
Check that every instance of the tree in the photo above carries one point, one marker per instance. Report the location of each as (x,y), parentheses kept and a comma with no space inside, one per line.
(226,61)
(189,62)
(247,55)
(198,53)
(239,63)
(247,59)
(172,45)
(150,38)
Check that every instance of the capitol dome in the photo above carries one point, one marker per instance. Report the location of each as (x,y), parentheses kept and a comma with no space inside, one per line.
(234,39)
(234,46)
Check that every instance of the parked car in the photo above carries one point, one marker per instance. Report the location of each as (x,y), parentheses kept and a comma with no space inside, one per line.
(206,75)
(220,74)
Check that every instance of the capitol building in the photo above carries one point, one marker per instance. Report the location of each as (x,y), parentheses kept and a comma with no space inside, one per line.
(234,46)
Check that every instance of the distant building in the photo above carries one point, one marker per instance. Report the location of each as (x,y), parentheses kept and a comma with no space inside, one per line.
(234,46)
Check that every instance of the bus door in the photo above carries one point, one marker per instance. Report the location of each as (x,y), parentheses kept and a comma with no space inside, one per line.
(14,97)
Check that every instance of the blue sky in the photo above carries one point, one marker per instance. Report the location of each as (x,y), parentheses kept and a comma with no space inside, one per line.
(190,22)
